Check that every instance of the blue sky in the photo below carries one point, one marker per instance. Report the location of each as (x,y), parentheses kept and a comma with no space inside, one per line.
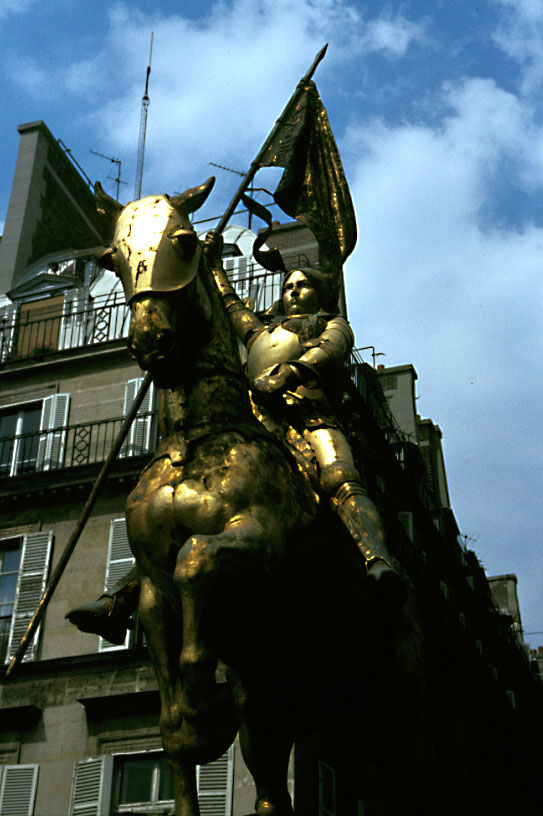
(437,110)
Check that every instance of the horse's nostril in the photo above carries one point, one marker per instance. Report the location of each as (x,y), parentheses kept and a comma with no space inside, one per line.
(164,340)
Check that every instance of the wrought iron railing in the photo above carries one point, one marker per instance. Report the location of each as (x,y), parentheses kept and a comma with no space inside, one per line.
(75,445)
(80,323)
(24,337)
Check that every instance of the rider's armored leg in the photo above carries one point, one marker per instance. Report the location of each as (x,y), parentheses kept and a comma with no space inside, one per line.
(342,482)
(361,518)
(111,615)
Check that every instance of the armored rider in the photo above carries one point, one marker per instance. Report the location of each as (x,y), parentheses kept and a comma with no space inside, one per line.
(293,363)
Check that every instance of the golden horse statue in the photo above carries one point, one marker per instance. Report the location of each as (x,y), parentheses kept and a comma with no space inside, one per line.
(238,563)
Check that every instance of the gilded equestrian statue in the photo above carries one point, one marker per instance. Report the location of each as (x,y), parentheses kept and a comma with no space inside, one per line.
(228,515)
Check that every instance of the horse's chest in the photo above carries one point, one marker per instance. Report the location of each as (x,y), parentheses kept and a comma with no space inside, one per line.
(172,502)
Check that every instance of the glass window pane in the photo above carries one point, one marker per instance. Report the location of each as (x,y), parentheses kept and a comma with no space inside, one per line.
(8,424)
(31,418)
(165,781)
(136,780)
(8,585)
(9,560)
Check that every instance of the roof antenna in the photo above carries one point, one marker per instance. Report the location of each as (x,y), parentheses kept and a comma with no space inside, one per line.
(117,179)
(143,127)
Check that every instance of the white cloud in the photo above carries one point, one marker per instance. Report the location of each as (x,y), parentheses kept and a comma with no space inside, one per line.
(429,284)
(520,34)
(216,85)
(391,34)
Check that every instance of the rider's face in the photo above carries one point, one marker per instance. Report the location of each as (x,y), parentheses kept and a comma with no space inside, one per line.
(299,295)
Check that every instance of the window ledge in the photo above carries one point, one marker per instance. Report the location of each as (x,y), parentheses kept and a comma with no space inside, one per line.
(120,705)
(18,718)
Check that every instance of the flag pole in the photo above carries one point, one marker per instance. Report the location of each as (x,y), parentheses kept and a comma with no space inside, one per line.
(255,164)
(76,534)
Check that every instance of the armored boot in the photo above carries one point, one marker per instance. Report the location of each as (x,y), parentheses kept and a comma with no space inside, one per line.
(362,520)
(111,615)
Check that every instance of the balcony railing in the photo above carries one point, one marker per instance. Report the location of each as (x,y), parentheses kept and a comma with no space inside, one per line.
(74,326)
(77,323)
(75,445)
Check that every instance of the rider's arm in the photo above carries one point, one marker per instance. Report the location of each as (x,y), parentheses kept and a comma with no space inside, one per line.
(244,320)
(325,354)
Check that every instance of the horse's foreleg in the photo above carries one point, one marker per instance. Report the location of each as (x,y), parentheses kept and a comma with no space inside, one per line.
(162,627)
(228,562)
(266,740)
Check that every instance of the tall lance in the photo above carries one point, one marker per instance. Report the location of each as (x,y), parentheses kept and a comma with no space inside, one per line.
(74,538)
(256,163)
(91,501)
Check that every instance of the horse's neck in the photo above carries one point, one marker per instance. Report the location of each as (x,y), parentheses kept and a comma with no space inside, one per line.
(214,392)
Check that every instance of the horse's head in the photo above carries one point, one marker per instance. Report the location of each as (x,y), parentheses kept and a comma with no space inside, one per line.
(155,252)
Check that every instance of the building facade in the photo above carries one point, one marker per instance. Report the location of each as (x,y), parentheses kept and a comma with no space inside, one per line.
(78,721)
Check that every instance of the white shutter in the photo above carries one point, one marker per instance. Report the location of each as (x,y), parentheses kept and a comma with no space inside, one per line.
(119,561)
(18,790)
(8,319)
(35,558)
(74,318)
(52,443)
(141,438)
(215,782)
(91,790)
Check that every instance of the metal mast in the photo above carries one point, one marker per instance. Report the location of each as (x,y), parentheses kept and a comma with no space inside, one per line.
(143,128)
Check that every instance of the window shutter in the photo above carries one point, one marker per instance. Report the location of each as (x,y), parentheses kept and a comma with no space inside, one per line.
(8,319)
(74,318)
(35,558)
(141,438)
(91,789)
(406,520)
(215,785)
(51,444)
(119,561)
(18,790)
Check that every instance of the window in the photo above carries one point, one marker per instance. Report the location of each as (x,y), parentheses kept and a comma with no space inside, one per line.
(142,436)
(33,435)
(19,438)
(143,783)
(141,780)
(38,326)
(25,563)
(10,557)
(18,789)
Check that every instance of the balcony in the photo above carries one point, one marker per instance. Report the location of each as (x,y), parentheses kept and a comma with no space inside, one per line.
(74,446)
(62,323)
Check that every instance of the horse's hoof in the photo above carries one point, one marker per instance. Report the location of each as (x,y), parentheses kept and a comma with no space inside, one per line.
(103,617)
(387,584)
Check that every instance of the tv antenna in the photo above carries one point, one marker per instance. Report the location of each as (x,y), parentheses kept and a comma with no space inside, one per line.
(117,178)
(230,170)
(145,101)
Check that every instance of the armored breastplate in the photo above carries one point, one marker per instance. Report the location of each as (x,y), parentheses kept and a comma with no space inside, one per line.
(270,348)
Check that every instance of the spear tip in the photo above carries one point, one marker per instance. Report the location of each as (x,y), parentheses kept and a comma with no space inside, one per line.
(318,58)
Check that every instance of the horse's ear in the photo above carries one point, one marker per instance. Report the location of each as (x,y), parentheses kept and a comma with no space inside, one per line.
(107,208)
(192,199)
